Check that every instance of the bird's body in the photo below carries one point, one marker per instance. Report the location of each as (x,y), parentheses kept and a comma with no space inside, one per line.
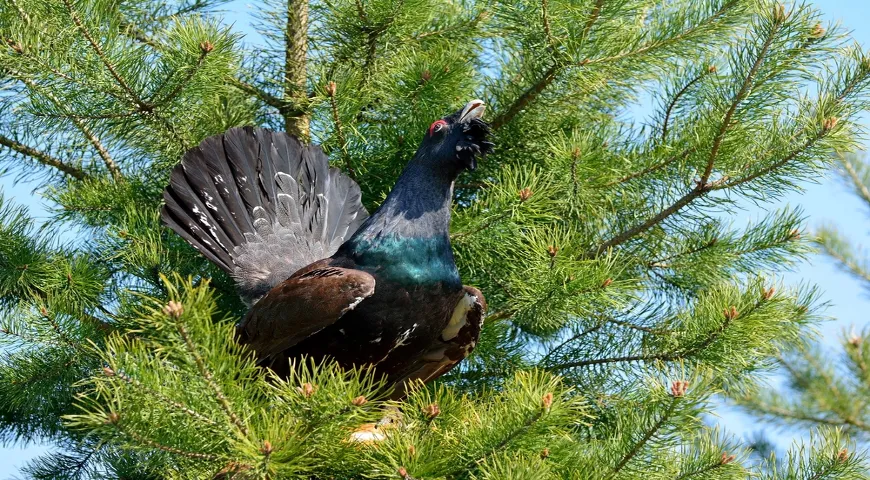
(388,296)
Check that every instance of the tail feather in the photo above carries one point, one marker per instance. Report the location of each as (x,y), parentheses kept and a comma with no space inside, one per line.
(261,205)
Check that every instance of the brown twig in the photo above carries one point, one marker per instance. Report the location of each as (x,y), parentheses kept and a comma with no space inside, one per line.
(339,131)
(175,91)
(661,263)
(21,12)
(593,17)
(668,356)
(166,448)
(43,158)
(702,187)
(209,378)
(635,449)
(673,103)
(266,97)
(89,135)
(296,121)
(738,99)
(653,168)
(527,97)
(109,66)
(548,34)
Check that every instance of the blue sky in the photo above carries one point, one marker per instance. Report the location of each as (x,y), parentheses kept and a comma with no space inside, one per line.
(823,202)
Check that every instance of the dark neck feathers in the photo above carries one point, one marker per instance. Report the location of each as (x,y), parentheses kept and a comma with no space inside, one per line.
(417,207)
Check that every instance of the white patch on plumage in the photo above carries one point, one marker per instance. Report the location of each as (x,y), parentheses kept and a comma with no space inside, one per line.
(366,434)
(356,301)
(459,317)
(404,337)
(377,340)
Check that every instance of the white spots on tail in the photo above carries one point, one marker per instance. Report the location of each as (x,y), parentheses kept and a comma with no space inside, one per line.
(459,317)
(203,220)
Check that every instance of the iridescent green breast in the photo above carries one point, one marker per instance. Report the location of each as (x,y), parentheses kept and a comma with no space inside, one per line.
(410,261)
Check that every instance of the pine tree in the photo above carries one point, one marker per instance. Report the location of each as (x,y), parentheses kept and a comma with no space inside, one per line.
(623,303)
(824,387)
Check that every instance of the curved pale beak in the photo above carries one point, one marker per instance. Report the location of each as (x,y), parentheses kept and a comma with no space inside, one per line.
(472,109)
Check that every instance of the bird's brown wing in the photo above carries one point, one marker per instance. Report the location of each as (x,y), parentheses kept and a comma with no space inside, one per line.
(309,301)
(456,341)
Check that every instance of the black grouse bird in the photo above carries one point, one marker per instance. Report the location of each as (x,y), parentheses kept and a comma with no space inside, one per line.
(322,277)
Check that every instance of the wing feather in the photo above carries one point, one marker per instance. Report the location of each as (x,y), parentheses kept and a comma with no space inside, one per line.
(309,301)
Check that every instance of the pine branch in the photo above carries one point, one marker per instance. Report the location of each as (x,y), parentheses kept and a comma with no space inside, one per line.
(281,105)
(790,414)
(570,339)
(823,473)
(295,69)
(642,227)
(651,169)
(633,326)
(704,186)
(162,398)
(673,103)
(859,185)
(43,158)
(849,264)
(102,56)
(708,468)
(133,32)
(176,451)
(339,131)
(21,12)
(738,99)
(636,448)
(593,17)
(89,135)
(668,41)
(831,388)
(204,51)
(668,356)
(486,225)
(209,378)
(774,166)
(503,443)
(548,34)
(662,263)
(526,98)
(458,27)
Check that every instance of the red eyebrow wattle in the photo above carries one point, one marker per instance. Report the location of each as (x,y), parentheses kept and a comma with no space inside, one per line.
(436,122)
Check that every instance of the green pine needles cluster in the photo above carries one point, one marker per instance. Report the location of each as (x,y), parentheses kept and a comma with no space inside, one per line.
(623,301)
(825,387)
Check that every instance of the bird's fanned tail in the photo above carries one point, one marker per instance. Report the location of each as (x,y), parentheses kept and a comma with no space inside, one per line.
(261,205)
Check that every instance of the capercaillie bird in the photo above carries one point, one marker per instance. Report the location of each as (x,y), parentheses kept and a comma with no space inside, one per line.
(323,279)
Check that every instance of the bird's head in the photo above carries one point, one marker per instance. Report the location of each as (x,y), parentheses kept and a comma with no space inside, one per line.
(455,141)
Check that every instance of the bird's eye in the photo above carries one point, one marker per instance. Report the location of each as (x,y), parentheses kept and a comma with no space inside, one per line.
(437,126)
